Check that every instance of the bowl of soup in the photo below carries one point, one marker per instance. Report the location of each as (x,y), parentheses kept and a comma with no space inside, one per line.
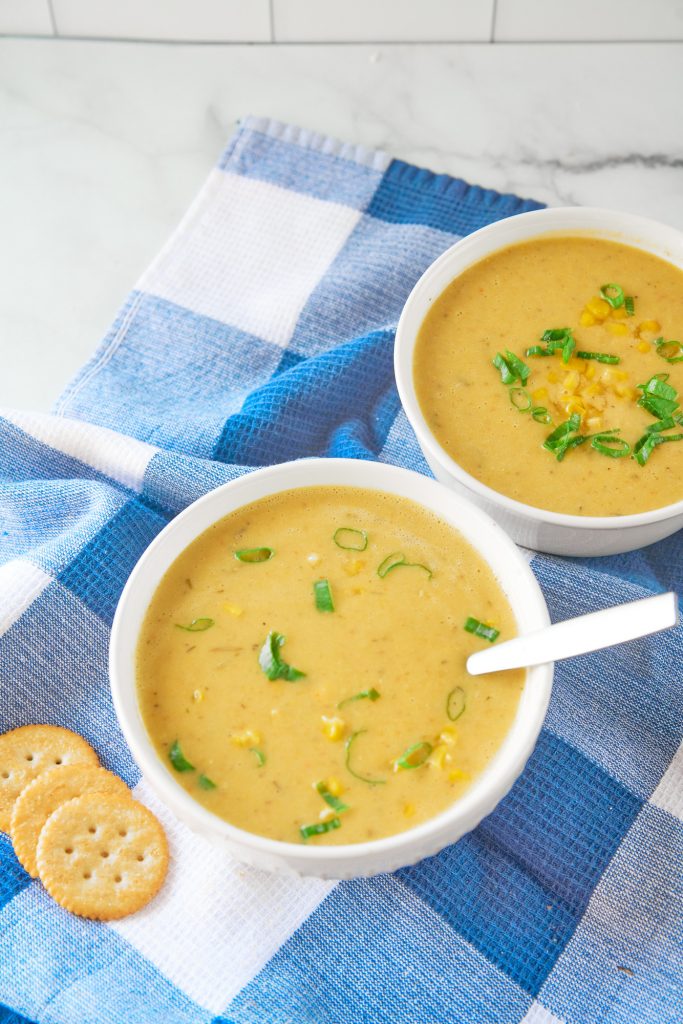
(540,363)
(287,664)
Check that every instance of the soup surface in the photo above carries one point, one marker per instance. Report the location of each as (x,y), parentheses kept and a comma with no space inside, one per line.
(494,420)
(382,718)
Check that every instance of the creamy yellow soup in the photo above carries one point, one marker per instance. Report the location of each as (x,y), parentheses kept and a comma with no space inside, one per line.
(320,694)
(505,304)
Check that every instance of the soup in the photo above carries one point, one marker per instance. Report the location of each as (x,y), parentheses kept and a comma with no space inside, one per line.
(557,389)
(301,667)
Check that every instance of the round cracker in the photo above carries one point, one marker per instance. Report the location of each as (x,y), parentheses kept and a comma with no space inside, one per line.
(27,752)
(45,794)
(102,856)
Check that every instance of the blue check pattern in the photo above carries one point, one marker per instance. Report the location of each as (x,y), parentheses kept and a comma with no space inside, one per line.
(264,332)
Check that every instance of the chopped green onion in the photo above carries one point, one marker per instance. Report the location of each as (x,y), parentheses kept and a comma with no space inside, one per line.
(607,444)
(414,757)
(614,294)
(330,799)
(259,755)
(323,596)
(672,351)
(254,555)
(506,373)
(349,539)
(519,368)
(599,357)
(538,350)
(659,398)
(272,664)
(205,782)
(398,560)
(455,703)
(519,396)
(178,759)
(555,338)
(371,694)
(659,425)
(559,441)
(481,629)
(644,447)
(556,334)
(319,828)
(629,305)
(197,625)
(348,747)
(541,414)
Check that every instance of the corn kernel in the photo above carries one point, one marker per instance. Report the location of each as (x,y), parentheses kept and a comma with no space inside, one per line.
(539,394)
(607,377)
(408,810)
(644,346)
(620,375)
(624,391)
(575,404)
(571,381)
(619,313)
(198,695)
(598,307)
(440,756)
(233,609)
(552,377)
(617,329)
(354,567)
(593,389)
(649,325)
(327,813)
(334,786)
(458,775)
(333,728)
(448,734)
(248,738)
(587,319)
(590,371)
(594,422)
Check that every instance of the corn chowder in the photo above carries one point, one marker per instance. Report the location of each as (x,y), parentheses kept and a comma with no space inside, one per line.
(301,667)
(552,371)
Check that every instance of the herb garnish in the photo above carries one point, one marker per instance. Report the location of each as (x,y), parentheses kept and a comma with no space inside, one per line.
(178,759)
(272,664)
(398,560)
(348,746)
(371,694)
(414,757)
(254,555)
(196,626)
(319,828)
(349,539)
(323,596)
(478,628)
(455,703)
(330,799)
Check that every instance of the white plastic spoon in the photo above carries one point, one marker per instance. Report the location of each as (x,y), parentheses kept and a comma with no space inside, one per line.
(579,636)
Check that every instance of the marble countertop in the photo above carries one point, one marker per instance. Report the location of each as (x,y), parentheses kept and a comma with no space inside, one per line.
(103,145)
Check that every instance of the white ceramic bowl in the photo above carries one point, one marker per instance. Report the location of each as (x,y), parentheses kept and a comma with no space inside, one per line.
(533,527)
(515,578)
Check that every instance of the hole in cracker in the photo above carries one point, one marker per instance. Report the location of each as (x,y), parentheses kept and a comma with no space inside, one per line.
(104,853)
(140,857)
(29,757)
(68,849)
(58,760)
(122,832)
(118,878)
(86,874)
(92,830)
(5,775)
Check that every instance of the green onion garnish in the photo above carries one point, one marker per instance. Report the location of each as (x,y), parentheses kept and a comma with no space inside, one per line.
(511,367)
(561,440)
(658,398)
(414,757)
(608,444)
(629,305)
(481,629)
(556,334)
(644,447)
(398,560)
(197,625)
(319,828)
(538,350)
(205,782)
(672,351)
(254,555)
(371,694)
(348,746)
(455,703)
(555,338)
(541,414)
(178,759)
(614,294)
(349,539)
(599,357)
(520,399)
(659,425)
(259,755)
(323,596)
(330,799)
(272,664)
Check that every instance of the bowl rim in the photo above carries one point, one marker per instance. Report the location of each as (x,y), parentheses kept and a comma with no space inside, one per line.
(573,220)
(519,584)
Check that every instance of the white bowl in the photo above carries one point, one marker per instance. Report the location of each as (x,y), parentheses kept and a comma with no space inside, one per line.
(352,860)
(534,527)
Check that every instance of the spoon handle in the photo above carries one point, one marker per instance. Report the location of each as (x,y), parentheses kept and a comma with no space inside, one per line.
(579,636)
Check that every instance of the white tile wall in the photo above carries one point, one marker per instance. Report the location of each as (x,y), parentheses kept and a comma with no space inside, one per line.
(382,20)
(25,17)
(188,20)
(588,20)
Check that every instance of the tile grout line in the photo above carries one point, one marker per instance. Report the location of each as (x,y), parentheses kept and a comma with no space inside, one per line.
(33,36)
(271,15)
(494,15)
(53,20)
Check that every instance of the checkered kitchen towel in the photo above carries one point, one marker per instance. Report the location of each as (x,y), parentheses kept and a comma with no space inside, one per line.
(264,332)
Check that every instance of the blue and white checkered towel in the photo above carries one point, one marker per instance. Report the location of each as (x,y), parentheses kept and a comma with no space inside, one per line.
(263,332)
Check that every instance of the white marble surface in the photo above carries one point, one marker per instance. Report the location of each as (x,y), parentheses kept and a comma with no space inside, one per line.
(103,145)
